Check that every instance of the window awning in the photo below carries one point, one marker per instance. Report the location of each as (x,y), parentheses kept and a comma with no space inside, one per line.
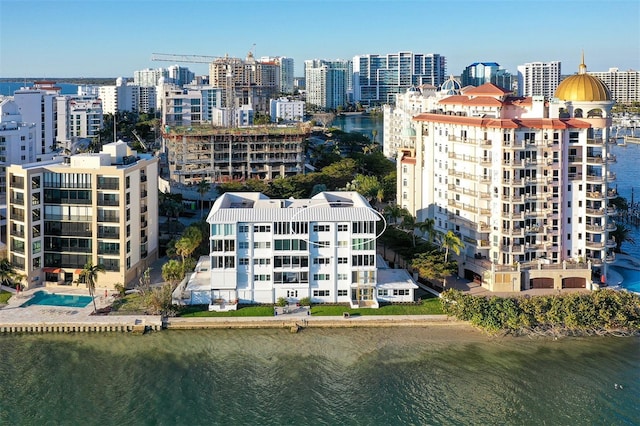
(53,270)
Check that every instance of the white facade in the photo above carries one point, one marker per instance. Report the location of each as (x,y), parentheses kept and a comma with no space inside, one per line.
(287,110)
(149,77)
(323,248)
(377,79)
(624,85)
(521,181)
(38,105)
(99,207)
(189,105)
(539,78)
(327,82)
(121,97)
(77,118)
(17,140)
(397,117)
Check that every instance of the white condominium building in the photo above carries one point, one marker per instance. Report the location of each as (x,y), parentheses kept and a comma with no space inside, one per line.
(78,118)
(538,78)
(526,184)
(38,105)
(17,140)
(327,82)
(377,79)
(100,208)
(287,110)
(624,85)
(323,248)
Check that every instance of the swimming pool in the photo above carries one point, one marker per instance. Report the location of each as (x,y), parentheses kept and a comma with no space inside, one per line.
(630,278)
(50,299)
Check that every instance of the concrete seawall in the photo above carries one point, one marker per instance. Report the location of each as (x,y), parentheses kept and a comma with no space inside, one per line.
(310,322)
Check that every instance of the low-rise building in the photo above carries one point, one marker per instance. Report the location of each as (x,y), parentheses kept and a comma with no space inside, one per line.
(323,248)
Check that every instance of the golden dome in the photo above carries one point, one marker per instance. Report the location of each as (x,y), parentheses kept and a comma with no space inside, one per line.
(582,87)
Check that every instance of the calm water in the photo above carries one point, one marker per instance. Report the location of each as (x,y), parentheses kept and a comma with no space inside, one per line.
(358,376)
(7,88)
(363,124)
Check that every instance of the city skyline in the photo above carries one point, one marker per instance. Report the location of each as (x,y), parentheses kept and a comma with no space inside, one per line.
(114,38)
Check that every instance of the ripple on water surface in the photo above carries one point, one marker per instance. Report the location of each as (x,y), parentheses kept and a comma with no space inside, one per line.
(435,375)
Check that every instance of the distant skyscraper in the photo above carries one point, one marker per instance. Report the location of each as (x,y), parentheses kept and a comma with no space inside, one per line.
(377,79)
(180,75)
(538,79)
(327,82)
(286,71)
(624,85)
(149,77)
(480,73)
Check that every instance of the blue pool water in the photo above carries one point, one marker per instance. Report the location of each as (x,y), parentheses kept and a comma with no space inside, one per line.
(49,299)
(631,278)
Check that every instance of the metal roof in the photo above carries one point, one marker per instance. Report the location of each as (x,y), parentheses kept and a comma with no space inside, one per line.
(309,214)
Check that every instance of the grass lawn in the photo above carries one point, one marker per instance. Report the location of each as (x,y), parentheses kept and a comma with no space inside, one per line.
(428,307)
(246,311)
(5,296)
(129,304)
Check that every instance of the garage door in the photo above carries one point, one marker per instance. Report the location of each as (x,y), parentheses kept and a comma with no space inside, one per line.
(541,283)
(574,282)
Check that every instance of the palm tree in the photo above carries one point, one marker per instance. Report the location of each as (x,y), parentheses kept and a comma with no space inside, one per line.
(620,235)
(427,227)
(7,273)
(450,241)
(392,213)
(203,188)
(89,276)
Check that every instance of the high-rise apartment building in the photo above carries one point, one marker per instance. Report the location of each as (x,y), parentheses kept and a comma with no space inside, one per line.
(180,75)
(150,77)
(538,79)
(286,71)
(377,79)
(78,118)
(189,105)
(480,73)
(323,248)
(624,85)
(121,97)
(524,182)
(327,82)
(38,105)
(17,141)
(100,208)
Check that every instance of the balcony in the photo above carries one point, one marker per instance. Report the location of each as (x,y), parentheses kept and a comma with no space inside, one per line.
(143,177)
(143,194)
(513,232)
(110,219)
(18,201)
(595,212)
(112,203)
(108,251)
(595,245)
(17,233)
(109,235)
(611,243)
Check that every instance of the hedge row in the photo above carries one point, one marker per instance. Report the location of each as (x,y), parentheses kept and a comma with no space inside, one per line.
(596,312)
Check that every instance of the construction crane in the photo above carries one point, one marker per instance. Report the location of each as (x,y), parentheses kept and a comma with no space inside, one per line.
(229,94)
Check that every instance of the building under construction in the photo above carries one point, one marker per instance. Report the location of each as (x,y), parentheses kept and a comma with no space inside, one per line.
(234,154)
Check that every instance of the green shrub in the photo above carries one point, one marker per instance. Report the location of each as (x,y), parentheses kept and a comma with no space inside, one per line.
(305,301)
(282,301)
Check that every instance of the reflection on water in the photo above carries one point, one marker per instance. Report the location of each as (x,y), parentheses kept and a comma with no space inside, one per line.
(436,375)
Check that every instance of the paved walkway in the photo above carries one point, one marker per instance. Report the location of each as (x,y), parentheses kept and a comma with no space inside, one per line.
(13,313)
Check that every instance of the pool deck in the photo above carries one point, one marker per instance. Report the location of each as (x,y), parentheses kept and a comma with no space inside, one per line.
(40,318)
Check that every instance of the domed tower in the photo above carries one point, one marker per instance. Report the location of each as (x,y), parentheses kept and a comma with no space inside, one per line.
(450,87)
(584,101)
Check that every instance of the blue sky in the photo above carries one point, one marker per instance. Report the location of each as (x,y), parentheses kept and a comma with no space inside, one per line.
(111,38)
